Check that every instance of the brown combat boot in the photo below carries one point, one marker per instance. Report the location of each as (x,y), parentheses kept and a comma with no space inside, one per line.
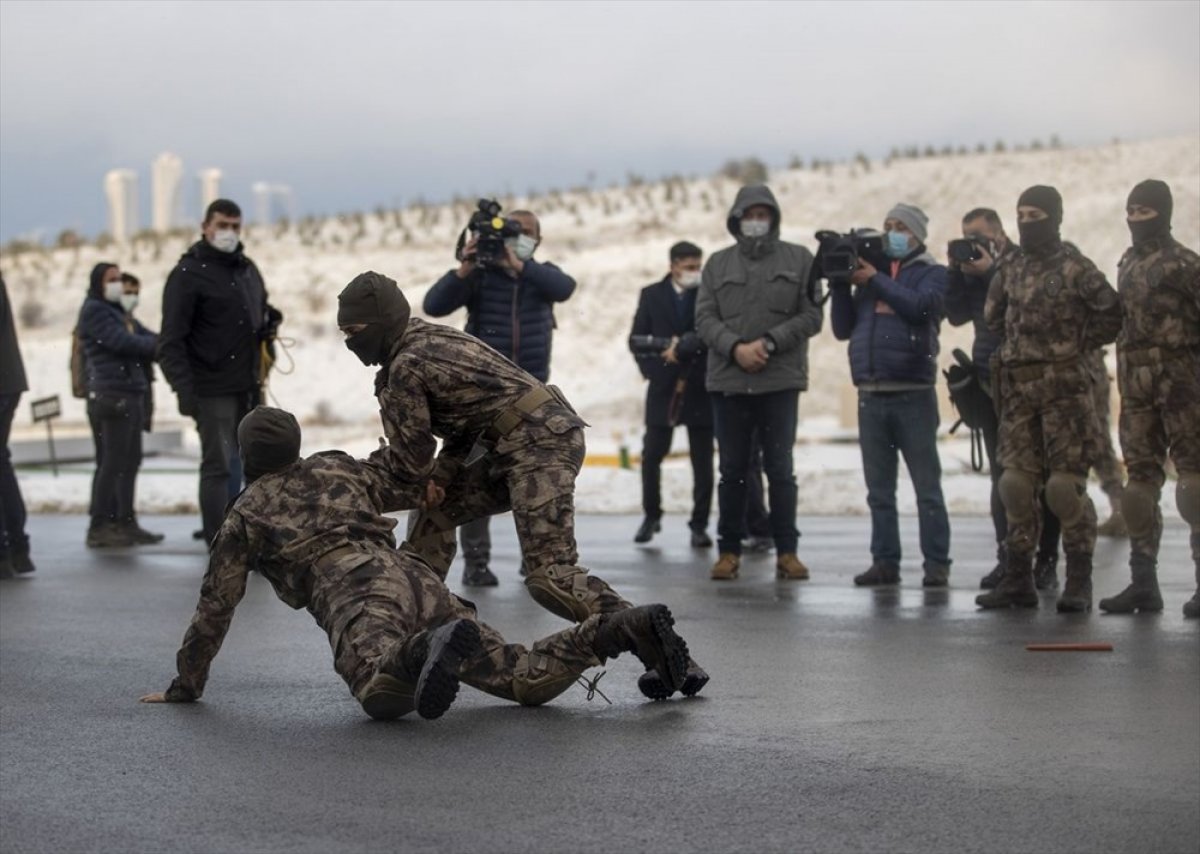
(1077,592)
(646,631)
(1015,589)
(1142,594)
(789,568)
(726,567)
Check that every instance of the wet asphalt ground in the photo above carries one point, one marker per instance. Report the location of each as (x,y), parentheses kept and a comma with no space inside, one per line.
(838,719)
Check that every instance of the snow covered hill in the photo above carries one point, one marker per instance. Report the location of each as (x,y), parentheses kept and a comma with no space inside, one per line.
(613,241)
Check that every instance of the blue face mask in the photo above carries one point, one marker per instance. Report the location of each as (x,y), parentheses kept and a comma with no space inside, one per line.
(897,244)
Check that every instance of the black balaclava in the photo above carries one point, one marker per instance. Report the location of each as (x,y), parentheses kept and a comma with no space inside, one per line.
(375,300)
(1043,233)
(96,281)
(1155,195)
(269,440)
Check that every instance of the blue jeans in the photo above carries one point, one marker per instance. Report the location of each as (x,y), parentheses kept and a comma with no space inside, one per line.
(737,418)
(907,422)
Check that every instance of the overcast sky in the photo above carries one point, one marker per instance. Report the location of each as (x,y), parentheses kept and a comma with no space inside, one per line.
(359,104)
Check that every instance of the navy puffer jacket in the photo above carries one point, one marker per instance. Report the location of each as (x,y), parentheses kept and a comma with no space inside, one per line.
(117,349)
(513,316)
(892,323)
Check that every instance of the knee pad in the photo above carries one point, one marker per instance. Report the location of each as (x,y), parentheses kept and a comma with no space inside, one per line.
(386,698)
(1187,498)
(1138,504)
(561,590)
(1064,496)
(1018,492)
(538,678)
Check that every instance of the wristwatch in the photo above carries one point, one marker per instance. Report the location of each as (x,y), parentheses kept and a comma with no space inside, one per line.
(769,345)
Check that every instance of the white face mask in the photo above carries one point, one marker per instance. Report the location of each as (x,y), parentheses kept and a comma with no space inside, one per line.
(689,279)
(755,227)
(114,290)
(523,246)
(129,302)
(225,240)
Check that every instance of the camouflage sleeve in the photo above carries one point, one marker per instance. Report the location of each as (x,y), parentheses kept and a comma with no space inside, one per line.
(404,409)
(1104,322)
(223,588)
(996,306)
(389,494)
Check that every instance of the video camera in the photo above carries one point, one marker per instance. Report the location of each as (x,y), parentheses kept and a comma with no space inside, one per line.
(967,249)
(490,231)
(838,254)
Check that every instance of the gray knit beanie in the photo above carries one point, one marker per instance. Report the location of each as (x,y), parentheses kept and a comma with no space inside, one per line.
(913,217)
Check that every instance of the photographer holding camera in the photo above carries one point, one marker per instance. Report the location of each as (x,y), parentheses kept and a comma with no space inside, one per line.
(509,299)
(670,355)
(891,320)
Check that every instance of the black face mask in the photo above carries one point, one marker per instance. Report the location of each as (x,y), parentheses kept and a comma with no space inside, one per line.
(368,344)
(1037,234)
(1146,229)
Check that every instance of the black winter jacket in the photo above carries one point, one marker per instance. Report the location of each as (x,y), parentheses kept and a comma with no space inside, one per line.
(512,316)
(117,350)
(215,314)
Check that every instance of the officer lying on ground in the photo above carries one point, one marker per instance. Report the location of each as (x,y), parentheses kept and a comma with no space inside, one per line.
(400,638)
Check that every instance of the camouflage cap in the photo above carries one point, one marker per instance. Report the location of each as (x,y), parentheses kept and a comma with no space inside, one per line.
(269,439)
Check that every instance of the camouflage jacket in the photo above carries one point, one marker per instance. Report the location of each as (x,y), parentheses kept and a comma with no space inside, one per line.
(281,525)
(1051,307)
(442,383)
(1159,283)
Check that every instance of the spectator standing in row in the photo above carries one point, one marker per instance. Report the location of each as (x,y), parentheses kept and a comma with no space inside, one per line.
(676,393)
(14,542)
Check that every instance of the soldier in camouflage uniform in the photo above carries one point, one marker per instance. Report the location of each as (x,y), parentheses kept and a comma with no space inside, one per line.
(1158,373)
(1051,306)
(400,639)
(509,442)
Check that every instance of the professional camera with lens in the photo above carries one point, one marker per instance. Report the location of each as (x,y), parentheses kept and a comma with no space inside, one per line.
(967,249)
(490,230)
(838,254)
(648,345)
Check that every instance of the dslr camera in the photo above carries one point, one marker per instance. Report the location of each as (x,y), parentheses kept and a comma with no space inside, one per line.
(967,249)
(490,231)
(838,254)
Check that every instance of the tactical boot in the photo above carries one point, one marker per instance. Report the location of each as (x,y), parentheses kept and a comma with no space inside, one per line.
(649,527)
(936,575)
(652,686)
(1142,594)
(108,535)
(882,572)
(1114,525)
(647,632)
(1045,572)
(989,581)
(140,535)
(479,576)
(1015,589)
(1077,592)
(446,649)
(789,568)
(726,567)
(386,698)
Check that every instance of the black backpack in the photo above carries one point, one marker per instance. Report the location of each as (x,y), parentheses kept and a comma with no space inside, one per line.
(972,401)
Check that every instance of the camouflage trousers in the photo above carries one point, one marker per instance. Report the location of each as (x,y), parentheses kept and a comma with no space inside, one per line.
(1106,465)
(1160,415)
(375,603)
(532,473)
(1048,431)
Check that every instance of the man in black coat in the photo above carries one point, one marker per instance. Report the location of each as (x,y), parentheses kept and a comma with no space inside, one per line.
(676,394)
(216,326)
(14,543)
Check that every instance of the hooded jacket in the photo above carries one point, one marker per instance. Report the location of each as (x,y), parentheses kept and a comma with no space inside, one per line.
(514,316)
(215,313)
(892,324)
(117,349)
(759,287)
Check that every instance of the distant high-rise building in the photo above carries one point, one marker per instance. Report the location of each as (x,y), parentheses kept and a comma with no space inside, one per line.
(271,201)
(210,187)
(166,197)
(120,185)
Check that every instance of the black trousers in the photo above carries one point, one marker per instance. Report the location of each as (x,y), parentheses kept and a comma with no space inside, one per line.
(656,444)
(116,419)
(1051,527)
(12,507)
(758,520)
